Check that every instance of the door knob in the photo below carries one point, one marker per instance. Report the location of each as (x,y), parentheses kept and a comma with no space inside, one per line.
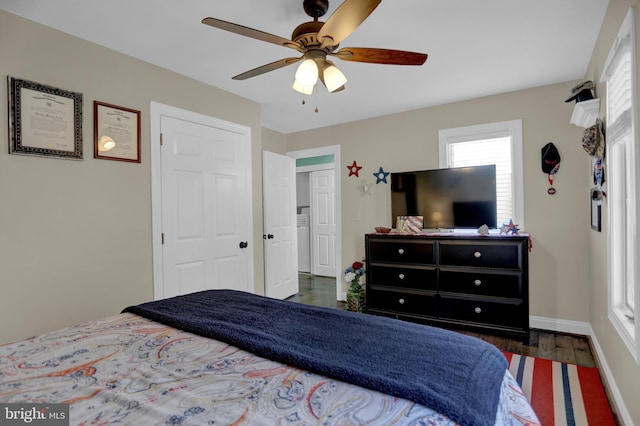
(243,244)
(265,236)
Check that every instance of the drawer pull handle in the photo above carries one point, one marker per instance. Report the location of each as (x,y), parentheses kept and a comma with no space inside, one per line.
(477,282)
(400,251)
(401,276)
(477,254)
(477,310)
(401,301)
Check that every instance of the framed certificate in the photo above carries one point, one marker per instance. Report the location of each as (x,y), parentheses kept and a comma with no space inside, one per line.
(116,132)
(44,120)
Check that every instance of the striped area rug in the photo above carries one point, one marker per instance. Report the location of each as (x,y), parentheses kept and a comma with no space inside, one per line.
(562,394)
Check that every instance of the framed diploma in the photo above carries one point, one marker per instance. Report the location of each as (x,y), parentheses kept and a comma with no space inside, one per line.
(116,132)
(44,120)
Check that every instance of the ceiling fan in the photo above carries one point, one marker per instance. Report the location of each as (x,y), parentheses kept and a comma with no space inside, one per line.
(316,40)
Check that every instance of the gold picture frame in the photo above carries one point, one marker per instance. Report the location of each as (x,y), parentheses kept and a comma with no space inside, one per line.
(116,133)
(44,121)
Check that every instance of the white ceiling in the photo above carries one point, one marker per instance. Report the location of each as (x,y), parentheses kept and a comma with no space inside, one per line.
(476,48)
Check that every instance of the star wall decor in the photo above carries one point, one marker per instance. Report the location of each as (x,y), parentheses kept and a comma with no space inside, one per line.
(381,176)
(354,169)
(365,188)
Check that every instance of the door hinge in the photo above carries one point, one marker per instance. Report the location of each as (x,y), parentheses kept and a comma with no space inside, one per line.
(163,238)
(161,141)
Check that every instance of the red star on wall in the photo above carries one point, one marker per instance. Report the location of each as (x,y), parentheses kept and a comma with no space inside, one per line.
(354,169)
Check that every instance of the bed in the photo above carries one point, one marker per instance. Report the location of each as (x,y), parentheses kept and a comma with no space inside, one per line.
(224,357)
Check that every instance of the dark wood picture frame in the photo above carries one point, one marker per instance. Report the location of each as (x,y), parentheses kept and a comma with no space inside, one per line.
(44,121)
(596,196)
(118,126)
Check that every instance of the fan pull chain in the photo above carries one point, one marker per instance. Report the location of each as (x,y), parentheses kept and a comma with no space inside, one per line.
(304,102)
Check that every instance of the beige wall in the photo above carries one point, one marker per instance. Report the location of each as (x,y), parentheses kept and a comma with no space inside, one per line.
(274,141)
(75,236)
(625,370)
(558,224)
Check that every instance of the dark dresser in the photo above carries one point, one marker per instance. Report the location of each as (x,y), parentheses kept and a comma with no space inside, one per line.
(452,280)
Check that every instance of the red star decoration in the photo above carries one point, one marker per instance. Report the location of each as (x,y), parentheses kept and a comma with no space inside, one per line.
(354,169)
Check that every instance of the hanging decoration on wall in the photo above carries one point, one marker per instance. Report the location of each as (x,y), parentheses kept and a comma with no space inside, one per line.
(597,194)
(593,140)
(354,169)
(381,176)
(364,188)
(550,164)
(598,172)
(581,92)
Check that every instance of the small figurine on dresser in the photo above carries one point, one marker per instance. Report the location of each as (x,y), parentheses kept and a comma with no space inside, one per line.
(509,228)
(483,230)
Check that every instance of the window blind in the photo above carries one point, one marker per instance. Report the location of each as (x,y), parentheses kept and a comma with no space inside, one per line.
(484,152)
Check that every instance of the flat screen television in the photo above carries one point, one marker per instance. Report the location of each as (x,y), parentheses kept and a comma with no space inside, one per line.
(455,198)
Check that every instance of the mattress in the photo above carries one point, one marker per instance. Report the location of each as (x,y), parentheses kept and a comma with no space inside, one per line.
(127,369)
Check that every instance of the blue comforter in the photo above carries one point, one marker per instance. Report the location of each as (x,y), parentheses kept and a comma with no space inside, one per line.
(457,375)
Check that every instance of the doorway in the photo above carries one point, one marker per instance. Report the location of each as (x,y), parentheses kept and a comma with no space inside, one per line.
(327,159)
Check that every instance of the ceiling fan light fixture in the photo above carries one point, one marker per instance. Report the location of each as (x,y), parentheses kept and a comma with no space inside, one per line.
(333,78)
(305,90)
(307,73)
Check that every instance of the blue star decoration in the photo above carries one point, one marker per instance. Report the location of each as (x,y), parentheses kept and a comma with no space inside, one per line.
(381,176)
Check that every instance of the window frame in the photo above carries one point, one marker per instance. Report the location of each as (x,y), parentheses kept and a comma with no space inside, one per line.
(511,129)
(627,328)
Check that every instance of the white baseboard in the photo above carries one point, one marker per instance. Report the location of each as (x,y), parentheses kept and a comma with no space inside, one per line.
(563,326)
(585,329)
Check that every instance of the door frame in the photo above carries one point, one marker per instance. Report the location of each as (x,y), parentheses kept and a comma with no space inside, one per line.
(335,151)
(156,112)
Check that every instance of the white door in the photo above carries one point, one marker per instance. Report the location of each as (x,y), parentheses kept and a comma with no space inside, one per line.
(280,226)
(323,223)
(206,208)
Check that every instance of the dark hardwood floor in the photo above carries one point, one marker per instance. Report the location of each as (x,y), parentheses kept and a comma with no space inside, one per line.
(574,349)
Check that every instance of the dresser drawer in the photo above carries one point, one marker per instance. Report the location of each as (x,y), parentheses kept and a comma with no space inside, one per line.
(487,284)
(402,250)
(401,302)
(483,312)
(504,254)
(403,276)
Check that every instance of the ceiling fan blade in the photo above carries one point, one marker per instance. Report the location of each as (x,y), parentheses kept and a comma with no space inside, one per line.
(380,56)
(347,17)
(250,32)
(266,68)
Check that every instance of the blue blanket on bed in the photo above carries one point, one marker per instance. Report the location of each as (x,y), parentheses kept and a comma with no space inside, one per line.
(456,375)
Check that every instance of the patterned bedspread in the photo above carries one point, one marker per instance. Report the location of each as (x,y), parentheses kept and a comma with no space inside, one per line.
(127,369)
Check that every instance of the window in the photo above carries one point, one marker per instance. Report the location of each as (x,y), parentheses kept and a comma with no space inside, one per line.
(622,190)
(494,143)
